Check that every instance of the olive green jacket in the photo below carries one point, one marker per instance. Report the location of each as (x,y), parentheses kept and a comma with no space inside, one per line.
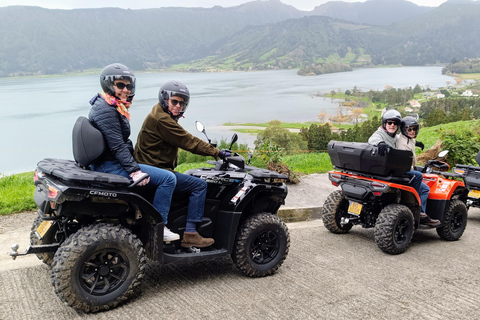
(161,136)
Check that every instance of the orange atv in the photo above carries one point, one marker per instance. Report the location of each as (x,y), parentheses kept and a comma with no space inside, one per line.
(375,192)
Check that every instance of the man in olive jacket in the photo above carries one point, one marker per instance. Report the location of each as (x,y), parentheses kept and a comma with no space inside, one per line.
(158,143)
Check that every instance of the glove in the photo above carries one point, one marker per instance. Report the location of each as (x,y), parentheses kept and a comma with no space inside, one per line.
(383,148)
(222,154)
(139,175)
(419,144)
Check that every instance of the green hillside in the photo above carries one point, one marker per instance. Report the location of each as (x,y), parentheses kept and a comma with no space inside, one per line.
(257,35)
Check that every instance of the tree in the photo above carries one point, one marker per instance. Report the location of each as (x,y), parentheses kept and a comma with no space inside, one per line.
(435,117)
(356,114)
(445,92)
(417,89)
(317,136)
(322,116)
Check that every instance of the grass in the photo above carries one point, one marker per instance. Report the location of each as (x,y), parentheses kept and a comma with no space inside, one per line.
(288,125)
(430,135)
(308,163)
(16,193)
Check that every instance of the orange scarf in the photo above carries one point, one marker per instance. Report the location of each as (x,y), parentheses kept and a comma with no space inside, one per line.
(122,106)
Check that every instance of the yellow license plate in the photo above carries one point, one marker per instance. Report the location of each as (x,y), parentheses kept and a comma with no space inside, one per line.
(43,228)
(355,208)
(474,194)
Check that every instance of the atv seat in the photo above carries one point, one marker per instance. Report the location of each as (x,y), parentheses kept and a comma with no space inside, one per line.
(88,145)
(68,170)
(87,142)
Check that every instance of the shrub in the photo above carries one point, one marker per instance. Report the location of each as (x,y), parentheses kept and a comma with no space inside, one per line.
(288,141)
(463,146)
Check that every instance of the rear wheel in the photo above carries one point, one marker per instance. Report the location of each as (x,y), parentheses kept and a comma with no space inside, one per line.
(394,229)
(47,238)
(261,245)
(334,208)
(98,267)
(455,221)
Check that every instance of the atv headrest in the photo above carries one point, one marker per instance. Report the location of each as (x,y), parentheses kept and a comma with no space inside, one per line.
(478,158)
(87,142)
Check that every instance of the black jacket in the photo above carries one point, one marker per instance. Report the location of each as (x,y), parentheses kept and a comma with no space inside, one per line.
(116,131)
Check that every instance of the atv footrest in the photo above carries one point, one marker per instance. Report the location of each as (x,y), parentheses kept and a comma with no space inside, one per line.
(204,253)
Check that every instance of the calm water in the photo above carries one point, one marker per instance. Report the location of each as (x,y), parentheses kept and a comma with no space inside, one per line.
(38,113)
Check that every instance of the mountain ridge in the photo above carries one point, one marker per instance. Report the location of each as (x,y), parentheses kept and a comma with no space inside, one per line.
(254,35)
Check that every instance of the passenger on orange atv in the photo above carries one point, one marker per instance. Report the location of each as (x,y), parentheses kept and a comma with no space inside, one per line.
(405,140)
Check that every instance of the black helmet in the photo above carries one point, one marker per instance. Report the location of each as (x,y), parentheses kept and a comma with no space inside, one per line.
(116,71)
(170,89)
(392,115)
(407,122)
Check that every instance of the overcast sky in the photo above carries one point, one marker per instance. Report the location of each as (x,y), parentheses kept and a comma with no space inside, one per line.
(306,5)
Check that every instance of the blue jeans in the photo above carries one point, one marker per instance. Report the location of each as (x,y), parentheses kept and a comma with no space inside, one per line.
(197,189)
(422,189)
(163,180)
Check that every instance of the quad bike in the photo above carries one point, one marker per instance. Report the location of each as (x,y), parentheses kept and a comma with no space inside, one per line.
(471,176)
(375,193)
(96,230)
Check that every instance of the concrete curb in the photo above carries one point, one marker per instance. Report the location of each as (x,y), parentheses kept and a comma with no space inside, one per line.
(289,214)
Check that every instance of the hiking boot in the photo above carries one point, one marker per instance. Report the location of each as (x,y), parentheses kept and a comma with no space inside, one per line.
(426,220)
(193,239)
(169,235)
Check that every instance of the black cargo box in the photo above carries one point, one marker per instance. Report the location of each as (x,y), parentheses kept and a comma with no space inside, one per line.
(363,157)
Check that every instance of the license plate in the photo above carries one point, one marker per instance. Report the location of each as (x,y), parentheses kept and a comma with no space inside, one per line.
(43,228)
(474,194)
(355,208)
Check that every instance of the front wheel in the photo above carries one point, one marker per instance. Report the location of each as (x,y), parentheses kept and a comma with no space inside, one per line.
(455,221)
(334,208)
(394,229)
(261,245)
(98,267)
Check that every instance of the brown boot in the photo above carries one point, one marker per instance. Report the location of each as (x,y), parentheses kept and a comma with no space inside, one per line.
(193,239)
(426,220)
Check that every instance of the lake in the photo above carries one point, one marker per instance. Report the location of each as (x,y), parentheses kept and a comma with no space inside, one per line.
(38,113)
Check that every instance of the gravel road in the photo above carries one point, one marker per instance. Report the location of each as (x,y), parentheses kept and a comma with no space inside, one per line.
(325,276)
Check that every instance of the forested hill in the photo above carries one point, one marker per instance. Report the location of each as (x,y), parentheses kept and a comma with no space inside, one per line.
(443,34)
(255,35)
(34,39)
(373,12)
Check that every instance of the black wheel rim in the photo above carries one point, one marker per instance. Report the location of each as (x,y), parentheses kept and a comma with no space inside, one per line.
(265,247)
(401,231)
(104,272)
(457,221)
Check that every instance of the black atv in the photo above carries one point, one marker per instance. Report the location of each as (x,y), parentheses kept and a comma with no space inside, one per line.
(96,230)
(471,176)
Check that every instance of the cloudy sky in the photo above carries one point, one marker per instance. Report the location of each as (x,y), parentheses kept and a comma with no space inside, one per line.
(306,5)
